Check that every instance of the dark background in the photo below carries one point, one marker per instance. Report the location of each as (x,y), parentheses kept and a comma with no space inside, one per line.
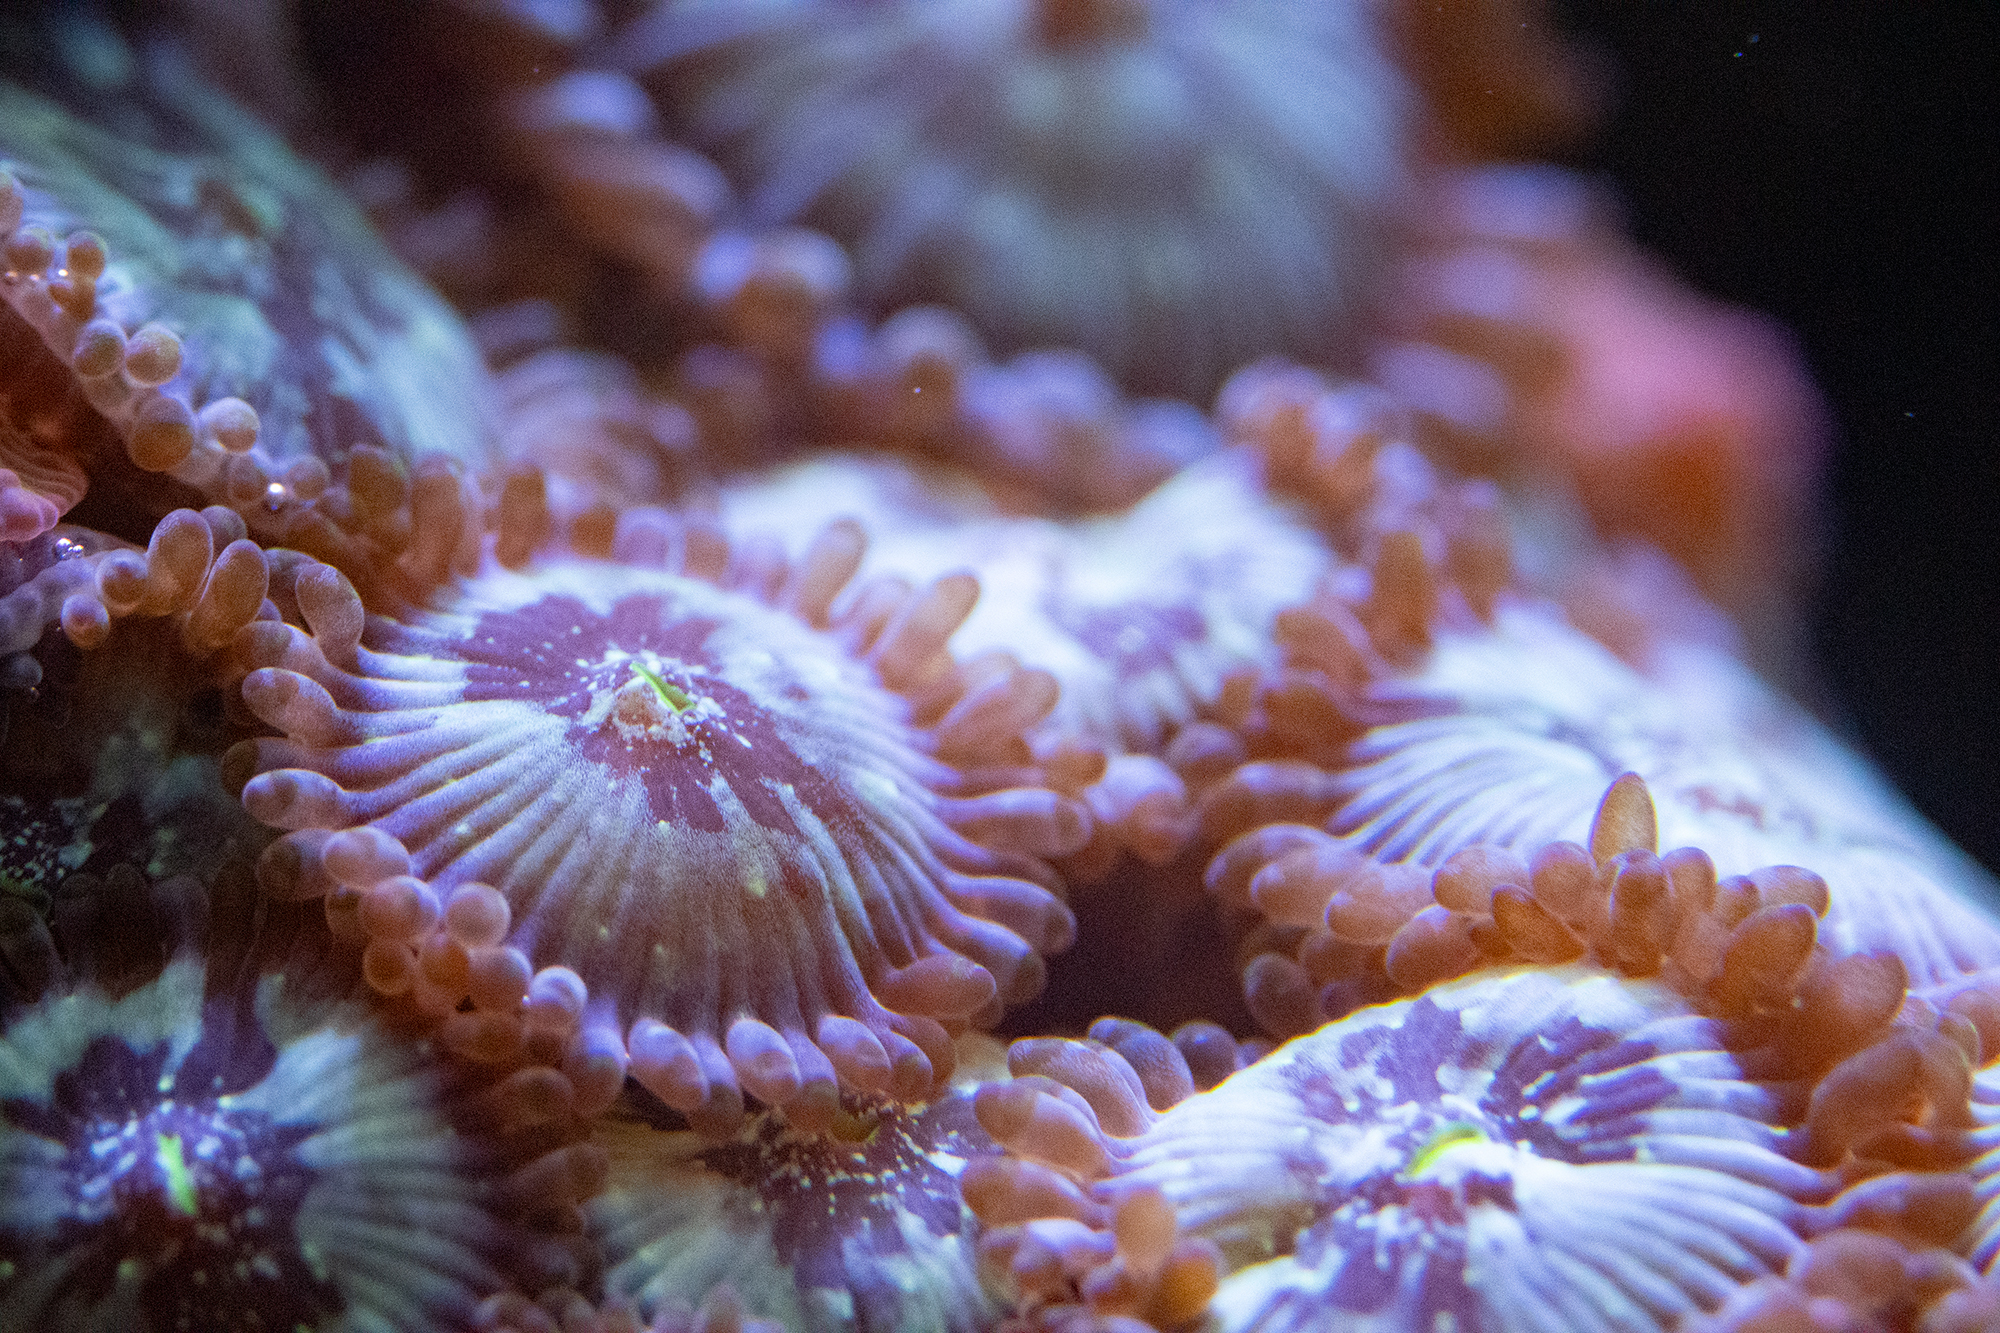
(1838,165)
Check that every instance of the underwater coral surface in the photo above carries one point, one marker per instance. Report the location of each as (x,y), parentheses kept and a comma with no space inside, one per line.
(925,666)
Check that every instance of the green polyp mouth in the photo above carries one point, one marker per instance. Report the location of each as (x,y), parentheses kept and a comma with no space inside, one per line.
(1446,1137)
(172,1161)
(673,695)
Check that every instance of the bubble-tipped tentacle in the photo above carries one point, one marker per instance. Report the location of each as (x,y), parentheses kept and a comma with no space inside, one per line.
(859,1227)
(1526,1148)
(199,1123)
(680,825)
(235,341)
(1413,731)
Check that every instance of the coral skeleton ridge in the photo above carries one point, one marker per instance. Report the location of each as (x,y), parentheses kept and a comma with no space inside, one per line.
(579,754)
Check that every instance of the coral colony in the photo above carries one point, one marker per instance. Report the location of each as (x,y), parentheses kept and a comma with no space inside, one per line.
(922,666)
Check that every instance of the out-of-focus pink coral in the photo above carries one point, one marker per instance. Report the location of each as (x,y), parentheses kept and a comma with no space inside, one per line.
(1544,349)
